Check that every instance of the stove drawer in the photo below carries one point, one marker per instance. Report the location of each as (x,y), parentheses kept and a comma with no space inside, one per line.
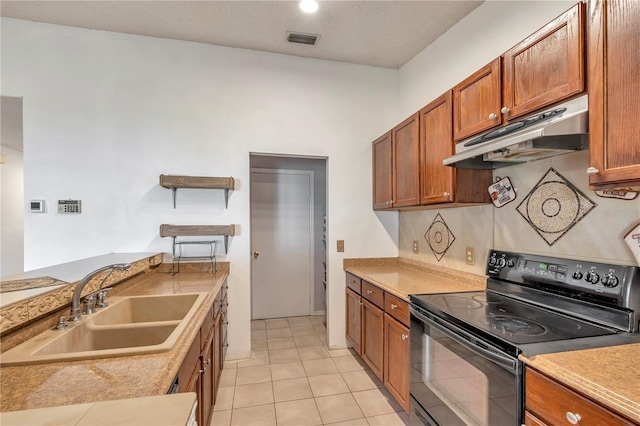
(556,404)
(373,294)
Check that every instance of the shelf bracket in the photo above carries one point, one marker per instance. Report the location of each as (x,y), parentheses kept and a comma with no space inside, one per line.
(174,190)
(226,199)
(226,244)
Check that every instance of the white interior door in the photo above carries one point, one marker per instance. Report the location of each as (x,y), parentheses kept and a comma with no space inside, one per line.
(281,237)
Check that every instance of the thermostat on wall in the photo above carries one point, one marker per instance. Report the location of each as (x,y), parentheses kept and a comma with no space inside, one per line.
(36,206)
(69,206)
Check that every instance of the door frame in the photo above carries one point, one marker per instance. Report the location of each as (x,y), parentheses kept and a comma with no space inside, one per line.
(311,174)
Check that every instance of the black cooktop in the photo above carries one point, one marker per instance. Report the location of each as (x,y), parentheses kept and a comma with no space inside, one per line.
(506,318)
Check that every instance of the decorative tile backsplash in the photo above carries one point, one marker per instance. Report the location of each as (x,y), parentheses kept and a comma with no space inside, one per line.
(554,206)
(439,237)
(593,230)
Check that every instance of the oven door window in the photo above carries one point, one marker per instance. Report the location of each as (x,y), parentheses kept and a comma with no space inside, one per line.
(458,386)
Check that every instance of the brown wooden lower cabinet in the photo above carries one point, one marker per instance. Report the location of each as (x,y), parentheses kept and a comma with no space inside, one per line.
(202,366)
(396,360)
(550,403)
(377,326)
(353,320)
(372,337)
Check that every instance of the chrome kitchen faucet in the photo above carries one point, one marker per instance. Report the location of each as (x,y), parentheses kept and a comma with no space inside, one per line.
(76,314)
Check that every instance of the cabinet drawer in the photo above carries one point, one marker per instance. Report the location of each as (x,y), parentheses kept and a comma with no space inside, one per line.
(552,403)
(373,294)
(353,282)
(397,308)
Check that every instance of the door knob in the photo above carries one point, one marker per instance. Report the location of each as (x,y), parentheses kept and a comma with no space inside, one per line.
(592,171)
(492,116)
(505,110)
(255,254)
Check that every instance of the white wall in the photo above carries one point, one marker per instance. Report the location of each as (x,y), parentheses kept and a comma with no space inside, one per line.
(105,114)
(11,212)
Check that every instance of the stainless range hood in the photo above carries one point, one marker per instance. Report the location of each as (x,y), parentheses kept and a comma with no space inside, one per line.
(558,130)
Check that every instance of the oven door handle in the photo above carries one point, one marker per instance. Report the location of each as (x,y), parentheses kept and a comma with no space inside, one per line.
(464,339)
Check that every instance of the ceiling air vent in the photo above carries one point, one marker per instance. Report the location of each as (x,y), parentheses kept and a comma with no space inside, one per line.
(301,38)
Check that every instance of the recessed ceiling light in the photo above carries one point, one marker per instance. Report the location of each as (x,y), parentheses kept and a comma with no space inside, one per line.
(309,6)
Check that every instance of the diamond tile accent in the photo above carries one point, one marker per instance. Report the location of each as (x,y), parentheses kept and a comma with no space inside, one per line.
(554,206)
(439,237)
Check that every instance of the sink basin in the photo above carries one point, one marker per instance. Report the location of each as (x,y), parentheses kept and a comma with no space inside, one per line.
(138,309)
(83,339)
(129,326)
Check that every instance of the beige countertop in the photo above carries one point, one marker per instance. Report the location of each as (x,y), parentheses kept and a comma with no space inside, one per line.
(76,382)
(174,410)
(403,277)
(609,375)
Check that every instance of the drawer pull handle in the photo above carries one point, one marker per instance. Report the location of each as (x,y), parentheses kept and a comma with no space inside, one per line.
(360,303)
(574,419)
(369,291)
(405,337)
(592,171)
(393,306)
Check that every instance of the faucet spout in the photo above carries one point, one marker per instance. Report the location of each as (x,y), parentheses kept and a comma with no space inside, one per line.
(76,315)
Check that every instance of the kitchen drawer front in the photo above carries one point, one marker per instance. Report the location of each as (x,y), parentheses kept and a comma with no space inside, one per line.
(397,308)
(553,403)
(353,282)
(373,294)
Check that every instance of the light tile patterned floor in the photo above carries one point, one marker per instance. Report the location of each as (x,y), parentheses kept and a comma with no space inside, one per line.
(293,379)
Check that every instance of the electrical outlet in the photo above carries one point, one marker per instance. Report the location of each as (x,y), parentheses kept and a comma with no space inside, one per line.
(470,254)
(340,246)
(416,246)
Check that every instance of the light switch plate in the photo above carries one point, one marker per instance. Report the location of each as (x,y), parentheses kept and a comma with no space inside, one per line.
(470,255)
(340,246)
(416,246)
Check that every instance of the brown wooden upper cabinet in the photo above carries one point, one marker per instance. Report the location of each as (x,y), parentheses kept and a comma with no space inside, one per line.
(545,68)
(440,183)
(396,158)
(614,94)
(382,169)
(477,101)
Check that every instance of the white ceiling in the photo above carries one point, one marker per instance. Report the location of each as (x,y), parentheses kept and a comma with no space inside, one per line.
(378,33)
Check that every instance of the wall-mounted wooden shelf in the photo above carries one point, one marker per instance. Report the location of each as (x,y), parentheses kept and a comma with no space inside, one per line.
(175,231)
(174,182)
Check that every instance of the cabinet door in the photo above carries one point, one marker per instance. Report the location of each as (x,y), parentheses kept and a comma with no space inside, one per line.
(477,102)
(207,382)
(546,67)
(406,162)
(396,360)
(353,325)
(614,93)
(372,337)
(436,144)
(382,172)
(218,349)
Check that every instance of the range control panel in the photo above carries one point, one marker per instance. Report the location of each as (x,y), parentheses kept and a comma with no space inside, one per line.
(573,275)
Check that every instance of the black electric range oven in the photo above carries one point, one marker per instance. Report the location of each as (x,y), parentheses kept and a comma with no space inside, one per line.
(465,346)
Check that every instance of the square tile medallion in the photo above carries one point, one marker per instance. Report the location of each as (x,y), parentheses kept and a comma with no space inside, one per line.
(554,206)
